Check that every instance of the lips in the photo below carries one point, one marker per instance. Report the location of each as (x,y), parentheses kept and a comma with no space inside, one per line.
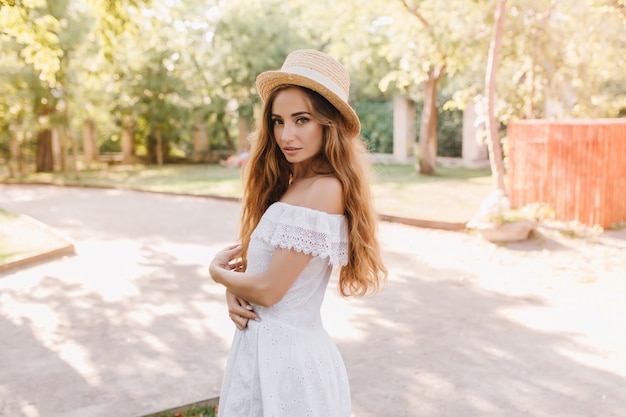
(290,149)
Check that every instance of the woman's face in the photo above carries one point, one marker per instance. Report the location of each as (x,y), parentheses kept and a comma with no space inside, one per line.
(298,134)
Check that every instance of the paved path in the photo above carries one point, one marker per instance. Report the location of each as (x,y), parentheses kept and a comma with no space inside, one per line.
(133,324)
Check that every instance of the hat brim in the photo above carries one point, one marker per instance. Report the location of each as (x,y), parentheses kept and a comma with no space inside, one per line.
(267,81)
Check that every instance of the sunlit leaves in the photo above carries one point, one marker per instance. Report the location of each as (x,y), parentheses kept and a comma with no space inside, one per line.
(36,32)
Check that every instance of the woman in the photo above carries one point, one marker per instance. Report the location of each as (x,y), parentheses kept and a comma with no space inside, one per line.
(306,208)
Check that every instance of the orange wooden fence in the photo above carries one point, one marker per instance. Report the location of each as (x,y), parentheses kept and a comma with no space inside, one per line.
(577,167)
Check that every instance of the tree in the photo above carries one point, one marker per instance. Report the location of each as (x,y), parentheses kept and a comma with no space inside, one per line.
(493,139)
(144,69)
(46,33)
(236,41)
(562,59)
(425,52)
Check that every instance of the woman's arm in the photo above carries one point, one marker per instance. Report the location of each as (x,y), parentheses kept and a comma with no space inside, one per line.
(266,288)
(269,287)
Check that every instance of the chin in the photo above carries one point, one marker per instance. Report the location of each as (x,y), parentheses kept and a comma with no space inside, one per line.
(295,159)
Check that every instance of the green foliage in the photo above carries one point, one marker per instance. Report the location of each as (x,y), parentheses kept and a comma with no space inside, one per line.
(194,411)
(237,39)
(449,129)
(177,64)
(562,59)
(376,125)
(450,133)
(377,128)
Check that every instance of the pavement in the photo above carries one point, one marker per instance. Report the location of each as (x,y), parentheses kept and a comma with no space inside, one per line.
(132,323)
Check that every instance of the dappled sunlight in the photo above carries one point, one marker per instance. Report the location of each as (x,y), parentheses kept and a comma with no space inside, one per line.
(143,330)
(593,329)
(466,325)
(462,325)
(187,252)
(40,316)
(594,358)
(78,357)
(24,407)
(452,348)
(108,267)
(342,318)
(126,318)
(349,319)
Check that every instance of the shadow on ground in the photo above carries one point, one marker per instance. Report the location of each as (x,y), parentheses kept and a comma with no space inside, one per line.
(435,347)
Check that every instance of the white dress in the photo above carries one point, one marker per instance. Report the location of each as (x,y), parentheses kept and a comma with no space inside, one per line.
(287,365)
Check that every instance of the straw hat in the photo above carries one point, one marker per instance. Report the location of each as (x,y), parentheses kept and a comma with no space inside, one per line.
(319,72)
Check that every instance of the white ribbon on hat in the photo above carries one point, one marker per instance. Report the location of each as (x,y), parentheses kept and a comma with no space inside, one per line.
(319,78)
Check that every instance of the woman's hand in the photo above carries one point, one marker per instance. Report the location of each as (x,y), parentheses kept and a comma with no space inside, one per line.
(226,260)
(240,311)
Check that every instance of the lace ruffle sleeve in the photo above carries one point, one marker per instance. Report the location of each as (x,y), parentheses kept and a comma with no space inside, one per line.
(305,230)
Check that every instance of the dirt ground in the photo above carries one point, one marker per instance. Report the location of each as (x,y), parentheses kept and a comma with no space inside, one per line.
(132,324)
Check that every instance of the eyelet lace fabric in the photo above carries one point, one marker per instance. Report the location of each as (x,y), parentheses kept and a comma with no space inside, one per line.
(287,365)
(305,230)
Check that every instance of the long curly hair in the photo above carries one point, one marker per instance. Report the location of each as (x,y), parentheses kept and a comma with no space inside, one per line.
(267,174)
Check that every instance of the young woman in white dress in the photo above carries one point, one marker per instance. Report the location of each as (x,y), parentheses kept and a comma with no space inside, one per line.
(306,209)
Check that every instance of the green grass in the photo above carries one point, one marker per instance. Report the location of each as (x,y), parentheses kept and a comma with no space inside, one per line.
(193,412)
(452,195)
(202,409)
(188,179)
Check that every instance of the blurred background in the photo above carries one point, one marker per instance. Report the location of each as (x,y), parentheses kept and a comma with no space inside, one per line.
(86,82)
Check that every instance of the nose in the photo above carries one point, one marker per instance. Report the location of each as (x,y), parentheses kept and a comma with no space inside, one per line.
(286,133)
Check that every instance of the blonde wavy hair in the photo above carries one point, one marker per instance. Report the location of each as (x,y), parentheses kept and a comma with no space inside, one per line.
(267,175)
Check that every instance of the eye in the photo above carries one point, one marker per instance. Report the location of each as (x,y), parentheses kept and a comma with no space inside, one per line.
(277,122)
(302,120)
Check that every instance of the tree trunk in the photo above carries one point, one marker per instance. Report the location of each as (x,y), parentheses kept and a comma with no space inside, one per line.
(128,143)
(68,136)
(200,141)
(159,145)
(229,140)
(15,161)
(90,146)
(427,147)
(244,131)
(44,159)
(58,151)
(74,145)
(493,139)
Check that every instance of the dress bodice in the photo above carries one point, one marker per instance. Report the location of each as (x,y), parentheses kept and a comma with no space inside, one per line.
(305,230)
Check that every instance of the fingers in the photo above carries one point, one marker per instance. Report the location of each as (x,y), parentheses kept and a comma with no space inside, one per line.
(240,322)
(245,312)
(240,311)
(228,259)
(236,265)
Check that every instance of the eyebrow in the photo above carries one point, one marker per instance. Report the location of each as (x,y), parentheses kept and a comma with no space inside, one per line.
(296,114)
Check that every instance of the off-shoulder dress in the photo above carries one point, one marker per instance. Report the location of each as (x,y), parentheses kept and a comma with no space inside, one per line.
(286,365)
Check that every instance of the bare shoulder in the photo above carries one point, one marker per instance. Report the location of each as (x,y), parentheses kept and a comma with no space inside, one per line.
(325,194)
